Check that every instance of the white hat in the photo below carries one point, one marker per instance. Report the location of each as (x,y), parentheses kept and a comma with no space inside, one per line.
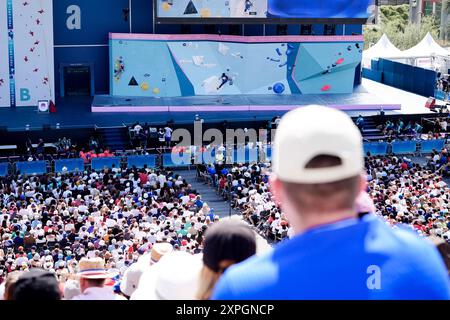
(308,132)
(131,278)
(71,289)
(164,281)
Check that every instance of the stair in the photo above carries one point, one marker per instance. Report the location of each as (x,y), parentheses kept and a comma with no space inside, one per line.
(115,138)
(221,207)
(370,129)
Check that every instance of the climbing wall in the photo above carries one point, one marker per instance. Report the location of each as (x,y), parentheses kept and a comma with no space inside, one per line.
(149,66)
(29,52)
(4,65)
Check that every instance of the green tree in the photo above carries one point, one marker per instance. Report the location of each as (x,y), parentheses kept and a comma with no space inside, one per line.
(395,23)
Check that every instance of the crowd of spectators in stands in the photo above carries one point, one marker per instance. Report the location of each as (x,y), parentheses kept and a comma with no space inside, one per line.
(136,225)
(53,221)
(247,187)
(411,194)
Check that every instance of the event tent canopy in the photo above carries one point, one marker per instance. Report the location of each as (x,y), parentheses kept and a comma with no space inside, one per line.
(382,49)
(427,48)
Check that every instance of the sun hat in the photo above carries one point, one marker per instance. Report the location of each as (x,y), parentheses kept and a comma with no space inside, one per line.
(311,131)
(164,281)
(94,268)
(157,252)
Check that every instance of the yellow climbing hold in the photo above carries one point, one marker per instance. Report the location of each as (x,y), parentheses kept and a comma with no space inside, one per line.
(156,90)
(205,13)
(144,86)
(166,6)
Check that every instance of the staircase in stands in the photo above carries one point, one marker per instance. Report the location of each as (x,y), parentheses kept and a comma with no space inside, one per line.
(115,138)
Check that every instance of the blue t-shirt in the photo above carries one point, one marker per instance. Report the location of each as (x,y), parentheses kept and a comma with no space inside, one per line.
(351,259)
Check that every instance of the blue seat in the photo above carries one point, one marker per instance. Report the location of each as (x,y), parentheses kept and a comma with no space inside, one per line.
(428,145)
(102,163)
(72,165)
(141,161)
(32,167)
(171,160)
(404,147)
(4,169)
(376,148)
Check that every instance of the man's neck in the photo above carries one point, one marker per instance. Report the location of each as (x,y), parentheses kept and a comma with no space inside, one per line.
(313,220)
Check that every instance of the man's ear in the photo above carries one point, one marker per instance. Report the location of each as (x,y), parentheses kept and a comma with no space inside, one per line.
(276,188)
(363,182)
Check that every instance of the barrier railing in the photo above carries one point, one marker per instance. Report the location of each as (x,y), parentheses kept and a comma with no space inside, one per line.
(186,159)
(376,148)
(140,161)
(429,145)
(69,165)
(102,163)
(4,169)
(32,167)
(404,147)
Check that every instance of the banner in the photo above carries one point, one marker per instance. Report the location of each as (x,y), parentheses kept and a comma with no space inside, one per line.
(4,57)
(345,9)
(28,52)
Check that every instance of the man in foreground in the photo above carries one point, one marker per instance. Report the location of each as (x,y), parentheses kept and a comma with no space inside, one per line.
(318,174)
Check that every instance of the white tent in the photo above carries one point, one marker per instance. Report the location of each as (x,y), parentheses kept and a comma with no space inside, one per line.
(426,54)
(382,49)
(426,48)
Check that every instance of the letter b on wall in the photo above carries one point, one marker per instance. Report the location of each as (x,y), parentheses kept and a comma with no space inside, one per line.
(25,94)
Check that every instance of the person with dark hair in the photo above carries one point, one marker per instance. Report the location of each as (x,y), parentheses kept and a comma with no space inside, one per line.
(36,284)
(226,243)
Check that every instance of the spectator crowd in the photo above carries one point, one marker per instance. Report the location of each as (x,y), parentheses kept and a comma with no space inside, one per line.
(54,221)
(122,234)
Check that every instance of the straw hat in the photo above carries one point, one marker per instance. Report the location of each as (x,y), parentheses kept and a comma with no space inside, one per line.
(94,269)
(158,251)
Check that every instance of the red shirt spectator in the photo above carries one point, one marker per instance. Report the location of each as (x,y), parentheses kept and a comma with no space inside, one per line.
(143,177)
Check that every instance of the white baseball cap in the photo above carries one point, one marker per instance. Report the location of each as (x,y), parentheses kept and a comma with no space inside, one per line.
(308,132)
(164,281)
(131,278)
